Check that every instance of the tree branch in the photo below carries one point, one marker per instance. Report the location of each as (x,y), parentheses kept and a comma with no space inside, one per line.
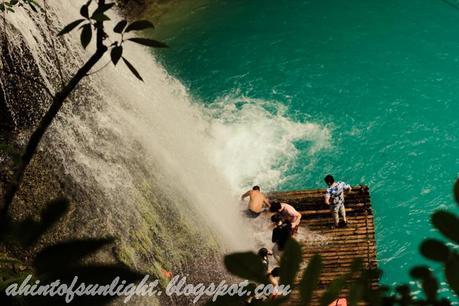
(58,100)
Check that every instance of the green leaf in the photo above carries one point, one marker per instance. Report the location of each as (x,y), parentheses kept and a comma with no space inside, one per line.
(310,280)
(120,26)
(66,254)
(434,250)
(247,265)
(116,54)
(290,262)
(452,273)
(86,35)
(355,293)
(139,25)
(84,11)
(333,291)
(430,287)
(148,42)
(420,272)
(405,294)
(356,265)
(456,191)
(447,223)
(68,28)
(133,70)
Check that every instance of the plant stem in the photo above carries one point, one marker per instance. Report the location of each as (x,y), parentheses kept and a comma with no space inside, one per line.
(58,100)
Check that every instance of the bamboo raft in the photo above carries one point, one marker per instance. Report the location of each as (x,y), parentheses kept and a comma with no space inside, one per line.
(338,247)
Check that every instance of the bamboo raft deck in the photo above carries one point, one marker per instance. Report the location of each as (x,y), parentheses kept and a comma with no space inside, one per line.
(338,247)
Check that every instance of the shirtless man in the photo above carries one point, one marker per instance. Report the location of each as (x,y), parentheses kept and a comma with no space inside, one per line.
(257,202)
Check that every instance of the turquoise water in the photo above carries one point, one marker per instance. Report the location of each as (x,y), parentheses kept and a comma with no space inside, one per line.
(381,76)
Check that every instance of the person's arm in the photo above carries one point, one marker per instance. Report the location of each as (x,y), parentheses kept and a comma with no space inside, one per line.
(327,198)
(245,195)
(348,188)
(297,219)
(266,202)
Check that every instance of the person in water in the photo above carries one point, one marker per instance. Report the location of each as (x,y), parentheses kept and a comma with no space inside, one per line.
(334,197)
(288,213)
(282,232)
(257,203)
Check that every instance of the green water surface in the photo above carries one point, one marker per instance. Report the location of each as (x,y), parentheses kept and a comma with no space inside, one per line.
(383,76)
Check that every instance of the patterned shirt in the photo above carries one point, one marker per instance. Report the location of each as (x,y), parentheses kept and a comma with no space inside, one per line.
(336,193)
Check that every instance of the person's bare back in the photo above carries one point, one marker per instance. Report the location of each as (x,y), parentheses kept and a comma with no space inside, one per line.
(258,200)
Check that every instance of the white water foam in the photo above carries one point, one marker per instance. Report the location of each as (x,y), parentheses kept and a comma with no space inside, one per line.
(254,140)
(204,154)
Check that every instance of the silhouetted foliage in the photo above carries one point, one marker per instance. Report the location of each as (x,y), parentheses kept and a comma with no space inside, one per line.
(9,5)
(61,261)
(249,266)
(92,24)
(66,259)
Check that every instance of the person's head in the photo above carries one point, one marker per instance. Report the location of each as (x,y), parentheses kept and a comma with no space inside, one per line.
(276,218)
(275,206)
(263,252)
(256,187)
(275,272)
(329,180)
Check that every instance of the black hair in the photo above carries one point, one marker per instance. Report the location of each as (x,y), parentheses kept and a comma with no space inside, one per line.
(329,179)
(256,187)
(275,272)
(275,206)
(276,218)
(263,252)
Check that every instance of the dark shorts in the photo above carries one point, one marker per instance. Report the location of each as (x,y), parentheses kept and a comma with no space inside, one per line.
(251,214)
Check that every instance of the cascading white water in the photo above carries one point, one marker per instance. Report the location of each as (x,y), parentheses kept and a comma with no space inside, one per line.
(137,135)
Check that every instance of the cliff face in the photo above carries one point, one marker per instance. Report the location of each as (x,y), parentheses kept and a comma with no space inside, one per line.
(154,231)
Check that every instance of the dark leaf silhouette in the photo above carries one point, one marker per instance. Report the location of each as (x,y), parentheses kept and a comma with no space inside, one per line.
(132,69)
(86,35)
(66,254)
(405,294)
(435,250)
(430,287)
(29,231)
(100,274)
(68,28)
(120,26)
(447,224)
(116,54)
(355,293)
(333,291)
(84,11)
(148,42)
(246,265)
(100,17)
(101,9)
(290,262)
(420,272)
(452,274)
(310,279)
(139,25)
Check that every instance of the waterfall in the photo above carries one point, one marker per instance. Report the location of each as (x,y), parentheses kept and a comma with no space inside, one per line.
(157,169)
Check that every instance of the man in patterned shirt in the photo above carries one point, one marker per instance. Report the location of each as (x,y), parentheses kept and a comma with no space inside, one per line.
(334,197)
